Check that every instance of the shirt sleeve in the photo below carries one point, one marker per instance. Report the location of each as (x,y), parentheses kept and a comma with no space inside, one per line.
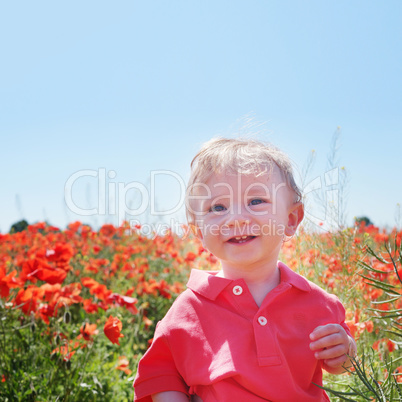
(157,370)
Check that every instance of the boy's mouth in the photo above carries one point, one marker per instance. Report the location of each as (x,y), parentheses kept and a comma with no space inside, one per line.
(241,239)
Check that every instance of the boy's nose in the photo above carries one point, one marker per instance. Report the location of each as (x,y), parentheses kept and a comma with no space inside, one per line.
(237,219)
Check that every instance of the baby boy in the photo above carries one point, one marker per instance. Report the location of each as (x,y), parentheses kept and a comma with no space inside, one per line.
(254,330)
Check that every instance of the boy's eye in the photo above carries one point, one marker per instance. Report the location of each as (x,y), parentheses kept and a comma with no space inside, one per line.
(217,208)
(256,201)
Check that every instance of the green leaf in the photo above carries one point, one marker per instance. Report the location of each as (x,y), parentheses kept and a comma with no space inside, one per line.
(370,268)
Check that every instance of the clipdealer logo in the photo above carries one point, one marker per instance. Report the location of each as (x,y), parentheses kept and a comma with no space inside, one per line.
(112,198)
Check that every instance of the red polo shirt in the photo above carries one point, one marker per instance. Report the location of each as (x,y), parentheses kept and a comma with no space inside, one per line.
(216,342)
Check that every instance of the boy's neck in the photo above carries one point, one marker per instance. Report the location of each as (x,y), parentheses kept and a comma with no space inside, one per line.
(260,281)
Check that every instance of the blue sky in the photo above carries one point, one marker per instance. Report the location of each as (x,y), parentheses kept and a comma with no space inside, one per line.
(137,86)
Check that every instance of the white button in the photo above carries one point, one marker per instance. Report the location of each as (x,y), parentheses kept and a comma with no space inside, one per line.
(262,320)
(237,290)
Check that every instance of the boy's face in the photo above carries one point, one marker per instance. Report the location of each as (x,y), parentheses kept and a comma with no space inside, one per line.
(242,219)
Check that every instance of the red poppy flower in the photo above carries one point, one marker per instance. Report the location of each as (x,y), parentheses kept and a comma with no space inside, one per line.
(74,226)
(107,230)
(126,301)
(89,306)
(37,268)
(89,282)
(8,281)
(50,290)
(87,330)
(397,374)
(112,329)
(190,256)
(66,350)
(61,253)
(123,365)
(51,275)
(369,326)
(27,299)
(95,288)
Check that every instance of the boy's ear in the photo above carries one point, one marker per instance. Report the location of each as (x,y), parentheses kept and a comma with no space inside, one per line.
(296,214)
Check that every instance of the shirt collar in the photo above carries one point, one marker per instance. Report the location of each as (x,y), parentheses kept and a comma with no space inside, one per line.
(294,279)
(207,284)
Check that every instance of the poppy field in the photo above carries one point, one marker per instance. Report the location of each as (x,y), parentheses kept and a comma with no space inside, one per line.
(78,307)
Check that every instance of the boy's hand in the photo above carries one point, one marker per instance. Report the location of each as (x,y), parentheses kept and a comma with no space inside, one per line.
(332,344)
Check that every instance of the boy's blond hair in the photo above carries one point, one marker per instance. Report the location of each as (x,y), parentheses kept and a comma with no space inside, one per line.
(237,156)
